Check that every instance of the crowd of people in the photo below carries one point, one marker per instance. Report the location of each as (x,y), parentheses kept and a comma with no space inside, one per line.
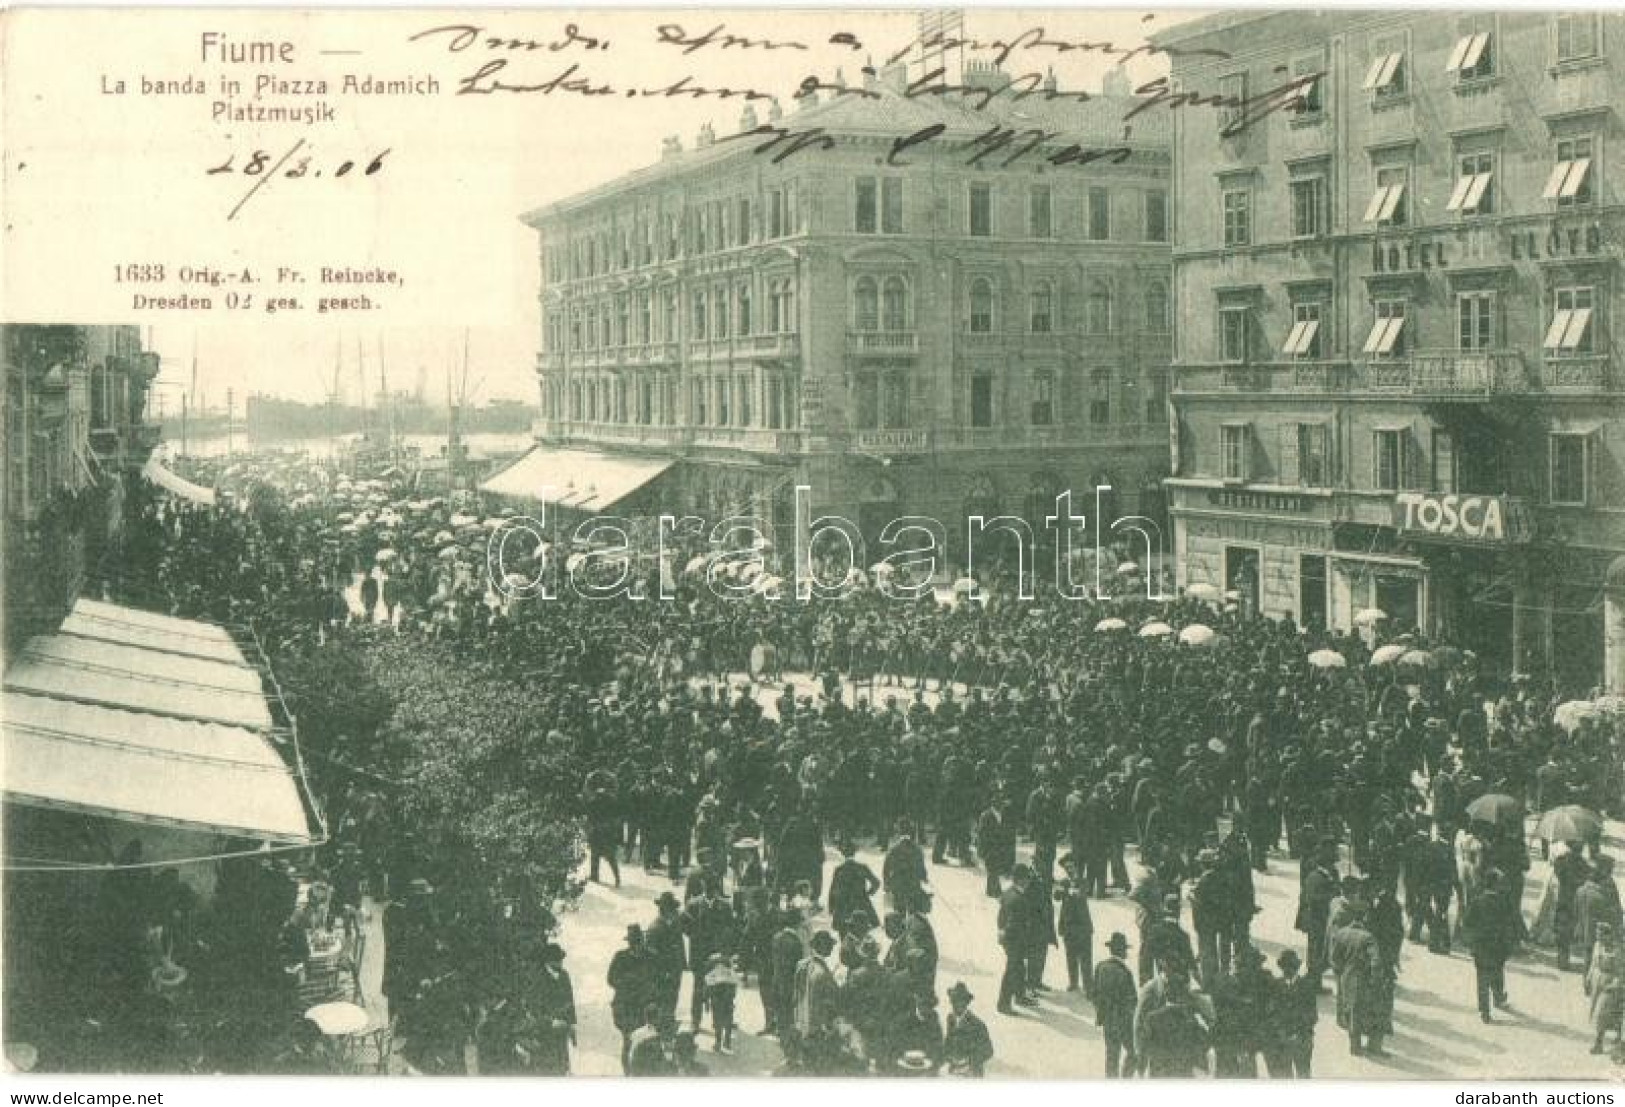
(1071,758)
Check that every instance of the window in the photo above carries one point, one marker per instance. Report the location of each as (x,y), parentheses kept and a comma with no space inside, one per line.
(1575,36)
(1100,214)
(697,397)
(720,307)
(1040,316)
(781,308)
(1303,341)
(1475,320)
(1156,401)
(894,305)
(1310,70)
(1473,59)
(1570,332)
(1570,182)
(1100,396)
(743,312)
(1387,204)
(1238,217)
(1385,77)
(699,316)
(742,227)
(1233,450)
(1043,405)
(1313,441)
(981,210)
(1386,338)
(894,399)
(981,306)
(1038,211)
(866,304)
(1097,314)
(1233,330)
(1309,207)
(742,387)
(723,402)
(1570,458)
(1156,308)
(981,399)
(777,224)
(1388,458)
(1232,103)
(1443,461)
(866,213)
(1156,216)
(1473,194)
(891,205)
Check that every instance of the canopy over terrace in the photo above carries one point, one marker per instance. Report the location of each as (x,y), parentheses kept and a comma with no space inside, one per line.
(585,481)
(175,484)
(146,719)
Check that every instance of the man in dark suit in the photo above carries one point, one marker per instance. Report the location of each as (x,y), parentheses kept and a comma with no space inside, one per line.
(664,940)
(1315,894)
(966,1045)
(1491,930)
(1115,997)
(1017,927)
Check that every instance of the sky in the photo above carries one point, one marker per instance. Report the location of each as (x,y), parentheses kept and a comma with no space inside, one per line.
(552,150)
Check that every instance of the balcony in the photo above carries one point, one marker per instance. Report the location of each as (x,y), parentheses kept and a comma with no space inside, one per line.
(772,345)
(893,441)
(882,343)
(764,440)
(1593,373)
(632,434)
(1468,374)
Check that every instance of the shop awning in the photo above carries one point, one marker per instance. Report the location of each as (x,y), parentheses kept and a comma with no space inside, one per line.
(139,767)
(116,674)
(583,480)
(152,631)
(175,484)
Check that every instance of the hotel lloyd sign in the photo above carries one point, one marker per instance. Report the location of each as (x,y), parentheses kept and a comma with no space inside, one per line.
(1461,518)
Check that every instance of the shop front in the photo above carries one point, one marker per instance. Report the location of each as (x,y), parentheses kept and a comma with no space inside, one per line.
(1270,548)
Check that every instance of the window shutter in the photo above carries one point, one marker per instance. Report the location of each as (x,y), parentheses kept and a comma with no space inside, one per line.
(1289,453)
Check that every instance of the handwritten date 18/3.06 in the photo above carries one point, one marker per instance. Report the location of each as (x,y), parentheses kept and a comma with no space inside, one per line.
(298,163)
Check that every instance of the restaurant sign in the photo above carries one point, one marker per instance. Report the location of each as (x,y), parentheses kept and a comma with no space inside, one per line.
(1460,518)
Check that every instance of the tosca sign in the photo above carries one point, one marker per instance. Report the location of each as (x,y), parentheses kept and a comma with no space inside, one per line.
(1460,518)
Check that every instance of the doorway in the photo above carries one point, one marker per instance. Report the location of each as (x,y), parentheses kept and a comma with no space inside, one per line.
(1312,586)
(1241,575)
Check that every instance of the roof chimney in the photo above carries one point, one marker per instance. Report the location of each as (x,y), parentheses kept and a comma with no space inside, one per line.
(706,137)
(747,119)
(1050,84)
(774,112)
(1116,82)
(871,79)
(670,146)
(980,73)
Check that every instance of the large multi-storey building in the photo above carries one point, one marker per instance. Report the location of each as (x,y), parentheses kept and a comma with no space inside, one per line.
(946,336)
(74,402)
(1397,378)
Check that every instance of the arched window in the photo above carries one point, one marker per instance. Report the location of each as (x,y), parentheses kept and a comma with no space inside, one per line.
(894,305)
(981,306)
(1098,308)
(1156,308)
(1041,313)
(866,304)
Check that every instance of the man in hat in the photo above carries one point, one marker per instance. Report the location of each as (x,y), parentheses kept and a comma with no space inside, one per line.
(668,959)
(966,1045)
(708,920)
(1361,983)
(1211,914)
(778,984)
(1294,1008)
(1044,822)
(1595,903)
(1169,944)
(1077,929)
(1569,869)
(902,873)
(1115,997)
(1018,929)
(817,1003)
(996,841)
(1316,889)
(1173,1035)
(1491,930)
(553,1008)
(631,980)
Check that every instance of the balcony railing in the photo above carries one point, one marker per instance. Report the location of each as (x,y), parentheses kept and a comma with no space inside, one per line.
(897,440)
(754,439)
(1592,373)
(882,342)
(1468,374)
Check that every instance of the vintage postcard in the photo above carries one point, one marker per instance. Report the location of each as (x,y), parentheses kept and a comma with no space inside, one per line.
(967,542)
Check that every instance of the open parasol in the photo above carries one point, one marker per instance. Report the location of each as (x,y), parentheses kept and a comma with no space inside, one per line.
(1113,623)
(1156,630)
(1569,823)
(1202,592)
(1196,634)
(1387,655)
(1328,659)
(1496,809)
(1369,616)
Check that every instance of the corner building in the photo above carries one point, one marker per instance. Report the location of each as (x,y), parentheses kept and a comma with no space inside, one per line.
(943,337)
(1397,381)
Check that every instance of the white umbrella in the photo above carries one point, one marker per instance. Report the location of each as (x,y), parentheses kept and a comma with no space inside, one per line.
(572,562)
(1369,616)
(1610,704)
(1202,592)
(882,568)
(965,584)
(760,542)
(1128,568)
(695,564)
(1113,623)
(1156,630)
(443,537)
(766,583)
(1196,635)
(493,523)
(1387,655)
(384,555)
(749,570)
(1328,659)
(1569,715)
(461,520)
(1415,657)
(450,552)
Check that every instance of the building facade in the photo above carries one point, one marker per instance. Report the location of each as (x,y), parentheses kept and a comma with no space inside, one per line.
(75,406)
(1397,380)
(948,336)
